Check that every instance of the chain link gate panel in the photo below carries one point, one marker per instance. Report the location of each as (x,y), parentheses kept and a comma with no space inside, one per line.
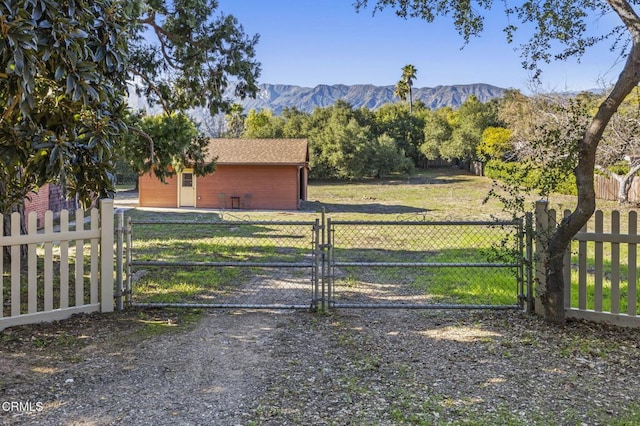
(224,264)
(343,264)
(425,264)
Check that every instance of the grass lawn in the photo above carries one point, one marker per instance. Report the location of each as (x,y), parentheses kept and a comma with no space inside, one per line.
(432,195)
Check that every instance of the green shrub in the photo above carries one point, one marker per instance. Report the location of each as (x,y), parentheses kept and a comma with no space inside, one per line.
(531,177)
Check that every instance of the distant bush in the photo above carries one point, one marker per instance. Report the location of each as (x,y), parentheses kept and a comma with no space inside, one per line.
(530,176)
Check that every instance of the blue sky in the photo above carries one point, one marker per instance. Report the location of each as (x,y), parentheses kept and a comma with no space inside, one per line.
(311,42)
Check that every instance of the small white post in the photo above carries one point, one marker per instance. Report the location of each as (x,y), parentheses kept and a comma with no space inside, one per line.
(106,255)
(119,258)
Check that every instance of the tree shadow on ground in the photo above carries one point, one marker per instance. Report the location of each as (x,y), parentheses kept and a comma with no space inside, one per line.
(441,176)
(377,208)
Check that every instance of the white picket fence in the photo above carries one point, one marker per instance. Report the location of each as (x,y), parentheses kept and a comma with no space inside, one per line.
(600,267)
(53,283)
(70,269)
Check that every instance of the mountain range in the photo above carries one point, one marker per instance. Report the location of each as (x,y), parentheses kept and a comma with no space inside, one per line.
(276,97)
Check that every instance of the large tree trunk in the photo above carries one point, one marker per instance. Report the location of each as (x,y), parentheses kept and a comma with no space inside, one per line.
(553,297)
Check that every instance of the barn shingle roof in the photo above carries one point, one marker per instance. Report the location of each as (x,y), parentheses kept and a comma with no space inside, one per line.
(259,151)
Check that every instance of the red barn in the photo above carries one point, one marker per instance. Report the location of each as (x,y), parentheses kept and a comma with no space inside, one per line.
(250,174)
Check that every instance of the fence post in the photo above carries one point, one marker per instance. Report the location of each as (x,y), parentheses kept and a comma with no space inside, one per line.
(316,266)
(129,291)
(541,237)
(119,259)
(529,233)
(327,254)
(106,255)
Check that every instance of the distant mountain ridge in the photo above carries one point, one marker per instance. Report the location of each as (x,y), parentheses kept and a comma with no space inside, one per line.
(276,97)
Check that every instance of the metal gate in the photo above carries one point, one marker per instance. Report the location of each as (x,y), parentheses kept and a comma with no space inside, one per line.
(393,264)
(223,264)
(325,264)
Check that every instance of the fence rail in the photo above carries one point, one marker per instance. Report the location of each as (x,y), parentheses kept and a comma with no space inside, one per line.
(67,269)
(315,264)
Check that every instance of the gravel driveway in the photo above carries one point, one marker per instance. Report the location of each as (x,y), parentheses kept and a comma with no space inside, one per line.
(351,367)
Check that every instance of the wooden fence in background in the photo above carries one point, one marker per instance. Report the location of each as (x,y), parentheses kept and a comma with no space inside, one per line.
(607,189)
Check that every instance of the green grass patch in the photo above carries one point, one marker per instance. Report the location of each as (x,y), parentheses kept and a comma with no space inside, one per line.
(430,195)
(186,284)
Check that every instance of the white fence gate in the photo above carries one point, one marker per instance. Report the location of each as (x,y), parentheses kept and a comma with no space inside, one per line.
(68,267)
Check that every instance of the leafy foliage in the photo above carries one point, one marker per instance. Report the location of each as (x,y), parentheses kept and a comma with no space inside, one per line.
(456,134)
(530,177)
(404,87)
(345,142)
(193,56)
(174,142)
(62,83)
(406,128)
(495,143)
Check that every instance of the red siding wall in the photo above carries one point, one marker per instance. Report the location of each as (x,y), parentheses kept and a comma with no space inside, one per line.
(253,187)
(153,193)
(269,187)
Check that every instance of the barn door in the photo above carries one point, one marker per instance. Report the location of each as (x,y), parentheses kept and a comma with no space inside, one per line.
(187,189)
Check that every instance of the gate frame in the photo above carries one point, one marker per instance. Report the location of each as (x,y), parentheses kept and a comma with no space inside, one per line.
(124,285)
(524,243)
(323,264)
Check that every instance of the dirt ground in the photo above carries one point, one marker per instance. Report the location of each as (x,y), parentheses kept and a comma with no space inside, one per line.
(356,367)
(293,367)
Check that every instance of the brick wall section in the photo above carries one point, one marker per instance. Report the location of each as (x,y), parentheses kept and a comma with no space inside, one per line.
(256,187)
(37,202)
(58,201)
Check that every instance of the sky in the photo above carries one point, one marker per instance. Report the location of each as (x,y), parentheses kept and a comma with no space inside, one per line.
(312,42)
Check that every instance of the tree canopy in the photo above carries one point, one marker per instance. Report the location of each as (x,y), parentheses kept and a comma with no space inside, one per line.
(184,56)
(404,87)
(64,73)
(62,95)
(193,56)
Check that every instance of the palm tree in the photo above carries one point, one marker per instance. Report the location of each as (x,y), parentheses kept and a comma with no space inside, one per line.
(401,90)
(408,75)
(235,121)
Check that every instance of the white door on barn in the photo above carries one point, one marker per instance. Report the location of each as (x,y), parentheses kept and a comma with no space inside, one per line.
(187,189)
